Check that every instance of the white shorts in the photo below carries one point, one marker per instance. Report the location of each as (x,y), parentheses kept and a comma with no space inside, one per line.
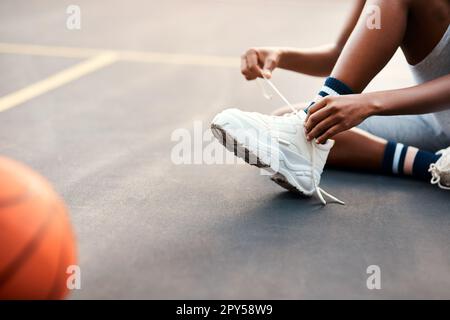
(421,131)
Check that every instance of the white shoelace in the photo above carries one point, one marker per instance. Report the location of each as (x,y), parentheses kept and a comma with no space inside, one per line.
(317,189)
(436,169)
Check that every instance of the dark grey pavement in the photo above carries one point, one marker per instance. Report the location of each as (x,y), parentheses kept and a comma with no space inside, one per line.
(147,228)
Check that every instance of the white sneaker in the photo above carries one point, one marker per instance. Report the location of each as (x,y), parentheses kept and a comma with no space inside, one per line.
(277,144)
(440,171)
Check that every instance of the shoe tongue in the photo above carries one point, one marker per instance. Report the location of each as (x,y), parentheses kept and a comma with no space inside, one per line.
(298,116)
(301,115)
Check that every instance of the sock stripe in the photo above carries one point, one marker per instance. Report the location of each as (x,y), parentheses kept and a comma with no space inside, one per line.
(405,160)
(333,87)
(401,163)
(409,160)
(397,153)
(329,91)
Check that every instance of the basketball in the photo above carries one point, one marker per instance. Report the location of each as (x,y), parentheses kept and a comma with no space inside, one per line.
(36,240)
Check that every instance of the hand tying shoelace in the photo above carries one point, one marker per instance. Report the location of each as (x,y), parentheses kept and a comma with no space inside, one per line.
(302,117)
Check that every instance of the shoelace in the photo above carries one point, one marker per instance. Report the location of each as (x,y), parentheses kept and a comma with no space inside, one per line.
(302,116)
(437,168)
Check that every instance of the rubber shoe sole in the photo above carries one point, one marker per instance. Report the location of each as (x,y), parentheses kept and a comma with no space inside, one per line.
(281,180)
(253,156)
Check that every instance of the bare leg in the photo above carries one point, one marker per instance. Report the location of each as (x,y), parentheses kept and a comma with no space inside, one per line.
(365,54)
(358,150)
(368,50)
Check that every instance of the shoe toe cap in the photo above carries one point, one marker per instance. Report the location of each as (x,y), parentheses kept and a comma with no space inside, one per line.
(229,118)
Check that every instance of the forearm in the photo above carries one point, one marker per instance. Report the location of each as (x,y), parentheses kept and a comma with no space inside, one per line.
(321,61)
(429,97)
(318,61)
(315,62)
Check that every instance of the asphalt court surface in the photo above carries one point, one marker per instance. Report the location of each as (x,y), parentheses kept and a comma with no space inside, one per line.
(93,110)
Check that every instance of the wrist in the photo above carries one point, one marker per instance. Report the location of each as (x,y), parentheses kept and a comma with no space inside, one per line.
(375,106)
(284,58)
(281,58)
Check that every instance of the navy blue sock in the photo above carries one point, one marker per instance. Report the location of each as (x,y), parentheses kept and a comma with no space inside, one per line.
(332,86)
(422,164)
(404,160)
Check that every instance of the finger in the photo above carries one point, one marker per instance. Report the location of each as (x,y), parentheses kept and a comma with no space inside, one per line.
(269,65)
(318,116)
(321,127)
(318,105)
(314,107)
(244,67)
(330,133)
(253,66)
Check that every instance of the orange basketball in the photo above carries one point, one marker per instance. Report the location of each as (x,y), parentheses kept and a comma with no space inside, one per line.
(36,240)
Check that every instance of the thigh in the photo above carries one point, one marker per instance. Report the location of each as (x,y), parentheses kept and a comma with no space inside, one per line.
(421,131)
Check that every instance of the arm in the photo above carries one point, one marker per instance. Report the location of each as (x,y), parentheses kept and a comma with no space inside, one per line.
(316,61)
(320,61)
(428,97)
(332,115)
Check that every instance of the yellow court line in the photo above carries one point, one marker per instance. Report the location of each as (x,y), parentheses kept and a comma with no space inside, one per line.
(97,59)
(57,80)
(179,59)
(51,51)
(137,56)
